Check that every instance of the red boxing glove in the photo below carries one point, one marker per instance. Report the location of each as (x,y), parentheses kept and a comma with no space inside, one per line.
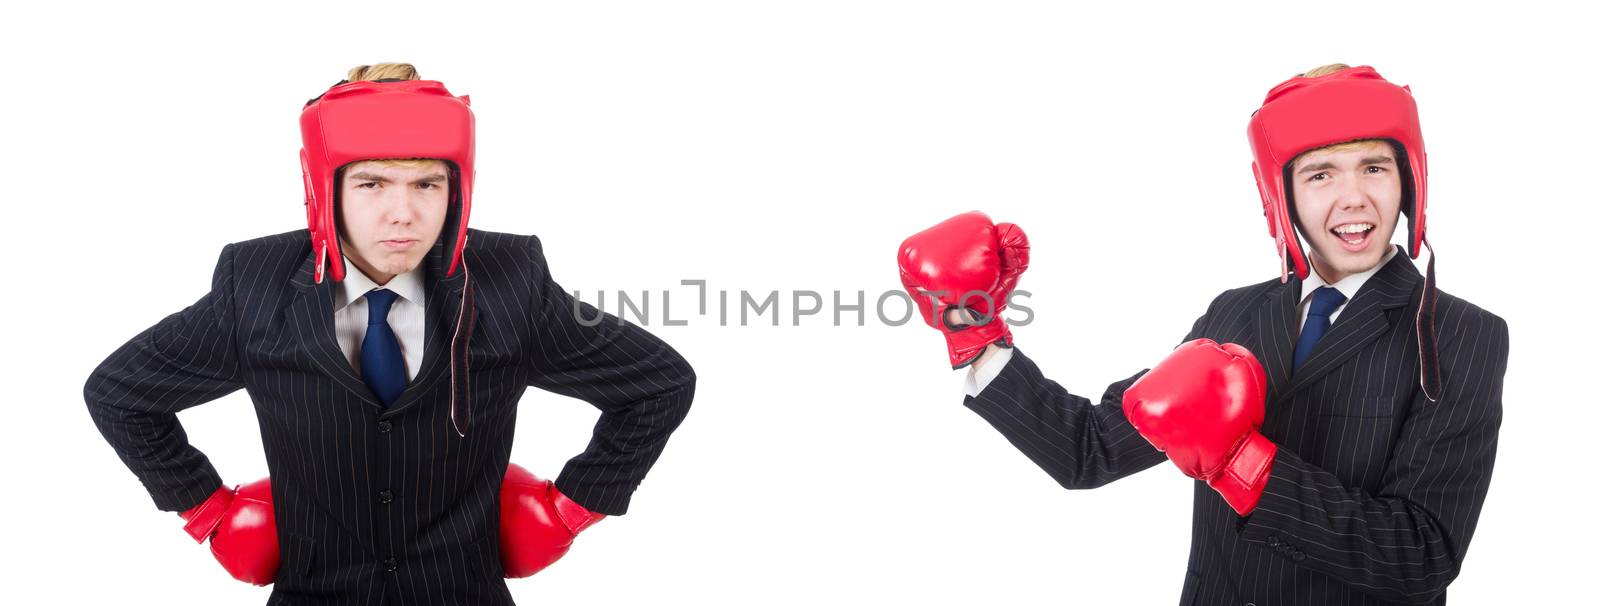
(243,533)
(965,262)
(537,523)
(1202,406)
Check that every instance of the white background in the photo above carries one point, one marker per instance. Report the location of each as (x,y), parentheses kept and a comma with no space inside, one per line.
(766,146)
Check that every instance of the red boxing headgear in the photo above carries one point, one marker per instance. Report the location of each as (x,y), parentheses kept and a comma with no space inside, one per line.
(1303,114)
(384,119)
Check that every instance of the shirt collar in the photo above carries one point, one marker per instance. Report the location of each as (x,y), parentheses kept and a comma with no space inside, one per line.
(1349,286)
(356,285)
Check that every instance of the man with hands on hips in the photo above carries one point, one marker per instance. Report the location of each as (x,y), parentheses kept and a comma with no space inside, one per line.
(387,396)
(1341,420)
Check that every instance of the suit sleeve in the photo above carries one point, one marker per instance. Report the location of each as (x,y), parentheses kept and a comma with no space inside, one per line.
(185,360)
(1079,444)
(1406,542)
(640,384)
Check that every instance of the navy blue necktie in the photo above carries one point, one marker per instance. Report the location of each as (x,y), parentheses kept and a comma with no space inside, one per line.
(1323,302)
(382,366)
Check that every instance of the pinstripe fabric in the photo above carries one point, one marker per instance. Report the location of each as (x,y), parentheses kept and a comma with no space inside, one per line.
(353,484)
(1375,491)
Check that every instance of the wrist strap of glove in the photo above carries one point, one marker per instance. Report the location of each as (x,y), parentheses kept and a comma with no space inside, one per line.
(574,516)
(1245,477)
(968,342)
(203,519)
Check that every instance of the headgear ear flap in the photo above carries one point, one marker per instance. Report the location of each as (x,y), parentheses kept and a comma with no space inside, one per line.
(384,119)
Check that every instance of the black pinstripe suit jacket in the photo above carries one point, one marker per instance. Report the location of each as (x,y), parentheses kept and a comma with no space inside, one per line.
(1375,491)
(389,506)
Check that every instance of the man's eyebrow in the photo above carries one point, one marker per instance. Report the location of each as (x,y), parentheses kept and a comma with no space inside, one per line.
(1311,168)
(366,176)
(1367,161)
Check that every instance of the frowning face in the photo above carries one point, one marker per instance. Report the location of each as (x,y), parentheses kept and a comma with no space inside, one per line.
(391,214)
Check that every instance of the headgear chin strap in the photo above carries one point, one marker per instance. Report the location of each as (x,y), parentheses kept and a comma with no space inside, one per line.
(1303,114)
(384,119)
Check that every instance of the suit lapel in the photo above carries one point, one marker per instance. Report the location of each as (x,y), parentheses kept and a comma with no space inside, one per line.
(311,315)
(444,313)
(1363,320)
(1275,322)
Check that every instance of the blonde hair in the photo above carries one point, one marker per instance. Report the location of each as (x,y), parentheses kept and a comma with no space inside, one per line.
(382,71)
(1318,72)
(389,71)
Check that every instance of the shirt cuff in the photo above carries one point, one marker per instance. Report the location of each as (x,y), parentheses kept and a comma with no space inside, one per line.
(979,378)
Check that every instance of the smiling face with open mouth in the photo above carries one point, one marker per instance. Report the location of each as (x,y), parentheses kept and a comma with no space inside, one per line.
(1347,202)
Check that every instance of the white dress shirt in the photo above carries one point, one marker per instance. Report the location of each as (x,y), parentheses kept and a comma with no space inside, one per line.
(406,316)
(1348,287)
(977,378)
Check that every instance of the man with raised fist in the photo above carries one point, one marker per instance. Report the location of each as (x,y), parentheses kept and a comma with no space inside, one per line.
(387,396)
(966,263)
(1340,420)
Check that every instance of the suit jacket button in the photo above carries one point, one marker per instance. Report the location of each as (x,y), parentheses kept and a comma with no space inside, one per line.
(390,565)
(1272,541)
(386,497)
(384,426)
